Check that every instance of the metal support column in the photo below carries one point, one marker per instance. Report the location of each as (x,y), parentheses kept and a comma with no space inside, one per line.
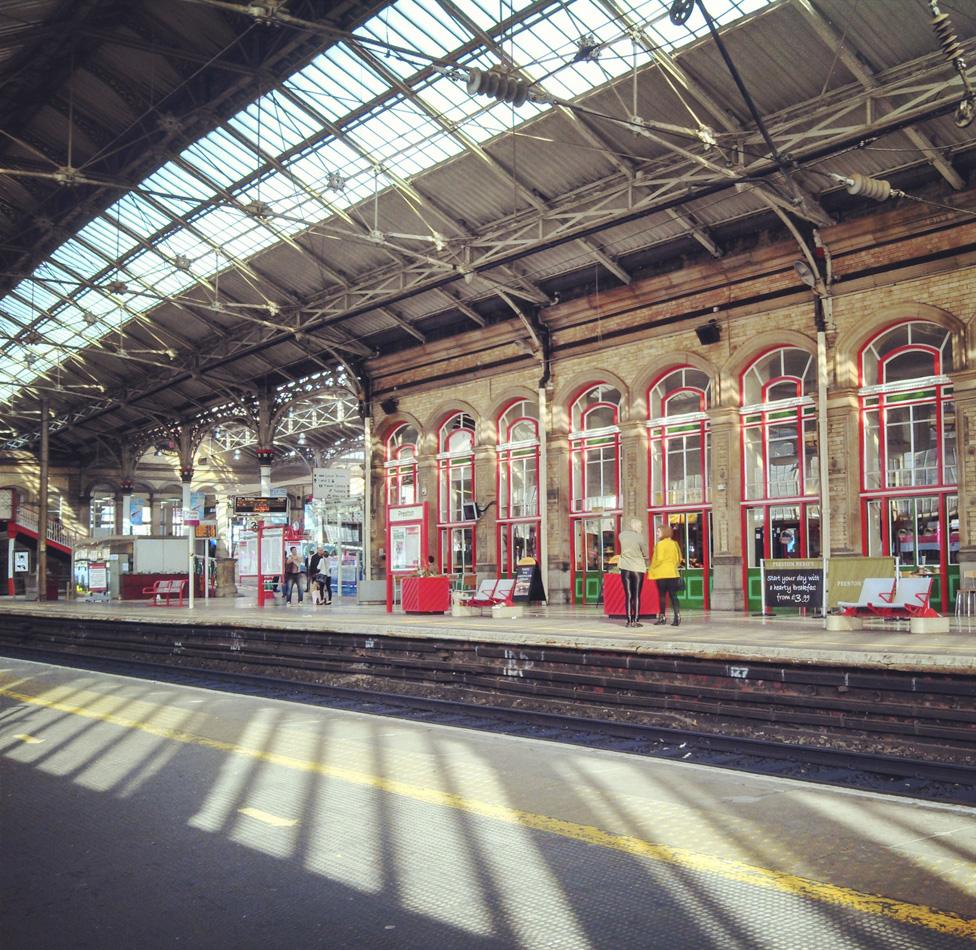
(42,508)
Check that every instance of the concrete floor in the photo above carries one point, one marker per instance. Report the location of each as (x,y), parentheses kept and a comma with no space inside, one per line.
(731,635)
(141,814)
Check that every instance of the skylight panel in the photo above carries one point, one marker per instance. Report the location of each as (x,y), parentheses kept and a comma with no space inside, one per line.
(138,215)
(221,158)
(110,239)
(339,72)
(78,259)
(411,25)
(41,296)
(275,123)
(486,13)
(176,189)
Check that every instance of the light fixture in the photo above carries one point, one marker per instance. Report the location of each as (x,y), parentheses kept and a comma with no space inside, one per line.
(237,454)
(804,272)
(708,333)
(301,439)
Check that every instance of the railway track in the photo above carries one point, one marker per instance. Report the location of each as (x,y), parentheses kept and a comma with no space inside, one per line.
(932,781)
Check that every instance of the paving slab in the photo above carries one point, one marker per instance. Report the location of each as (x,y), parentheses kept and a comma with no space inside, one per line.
(720,635)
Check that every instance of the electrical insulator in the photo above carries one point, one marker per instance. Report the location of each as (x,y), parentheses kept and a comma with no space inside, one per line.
(947,36)
(952,48)
(876,188)
(496,85)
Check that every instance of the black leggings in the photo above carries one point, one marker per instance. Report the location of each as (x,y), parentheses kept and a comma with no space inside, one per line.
(632,582)
(665,586)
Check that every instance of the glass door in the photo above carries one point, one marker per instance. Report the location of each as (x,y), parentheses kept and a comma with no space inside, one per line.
(594,543)
(692,531)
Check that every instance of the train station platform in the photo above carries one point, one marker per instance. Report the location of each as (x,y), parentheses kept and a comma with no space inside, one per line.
(719,635)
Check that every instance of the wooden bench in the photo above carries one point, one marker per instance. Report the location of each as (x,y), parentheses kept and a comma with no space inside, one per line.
(163,592)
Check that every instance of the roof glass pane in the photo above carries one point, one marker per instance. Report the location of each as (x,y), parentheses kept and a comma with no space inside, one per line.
(275,124)
(221,159)
(376,124)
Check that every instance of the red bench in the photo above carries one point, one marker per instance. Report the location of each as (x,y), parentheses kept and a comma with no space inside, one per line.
(495,595)
(163,592)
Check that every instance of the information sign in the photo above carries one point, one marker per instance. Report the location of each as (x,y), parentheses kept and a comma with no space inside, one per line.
(796,583)
(330,484)
(21,562)
(259,504)
(6,504)
(98,577)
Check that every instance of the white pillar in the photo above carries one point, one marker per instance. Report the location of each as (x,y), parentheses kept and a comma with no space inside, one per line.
(265,480)
(186,503)
(822,451)
(367,499)
(11,544)
(127,513)
(543,555)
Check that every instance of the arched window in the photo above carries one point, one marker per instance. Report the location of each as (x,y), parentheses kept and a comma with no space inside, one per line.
(456,511)
(401,466)
(908,451)
(594,442)
(678,449)
(780,462)
(519,516)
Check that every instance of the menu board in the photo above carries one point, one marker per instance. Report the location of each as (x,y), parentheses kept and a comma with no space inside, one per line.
(793,583)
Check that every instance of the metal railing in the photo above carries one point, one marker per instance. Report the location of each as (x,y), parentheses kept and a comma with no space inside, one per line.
(27,516)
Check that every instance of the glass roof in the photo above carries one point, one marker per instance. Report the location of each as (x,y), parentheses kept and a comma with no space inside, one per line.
(325,139)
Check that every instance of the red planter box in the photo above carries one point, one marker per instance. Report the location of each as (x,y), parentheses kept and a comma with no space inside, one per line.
(614,602)
(426,595)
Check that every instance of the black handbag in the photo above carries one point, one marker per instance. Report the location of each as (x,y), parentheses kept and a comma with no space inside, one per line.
(679,585)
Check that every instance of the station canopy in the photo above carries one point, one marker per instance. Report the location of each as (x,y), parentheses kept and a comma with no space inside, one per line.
(200,198)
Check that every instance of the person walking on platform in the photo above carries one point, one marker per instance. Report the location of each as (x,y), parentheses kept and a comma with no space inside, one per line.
(665,561)
(294,566)
(632,565)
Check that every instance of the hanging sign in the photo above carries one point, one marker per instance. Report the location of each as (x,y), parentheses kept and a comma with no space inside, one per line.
(259,505)
(793,582)
(330,484)
(194,514)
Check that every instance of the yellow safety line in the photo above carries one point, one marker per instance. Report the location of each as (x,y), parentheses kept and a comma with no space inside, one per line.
(917,914)
(274,820)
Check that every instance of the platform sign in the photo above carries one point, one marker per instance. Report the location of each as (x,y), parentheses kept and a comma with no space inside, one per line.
(793,582)
(260,505)
(330,485)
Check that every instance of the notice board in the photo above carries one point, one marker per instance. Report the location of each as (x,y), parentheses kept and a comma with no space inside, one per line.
(796,583)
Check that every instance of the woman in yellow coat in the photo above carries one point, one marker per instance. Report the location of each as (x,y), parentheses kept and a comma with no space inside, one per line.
(665,562)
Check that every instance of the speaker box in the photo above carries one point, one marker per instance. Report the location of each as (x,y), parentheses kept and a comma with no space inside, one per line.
(711,332)
(389,406)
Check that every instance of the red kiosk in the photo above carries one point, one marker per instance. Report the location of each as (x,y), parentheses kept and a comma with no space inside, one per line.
(406,544)
(615,604)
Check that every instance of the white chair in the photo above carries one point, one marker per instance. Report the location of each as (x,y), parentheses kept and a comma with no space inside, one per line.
(875,592)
